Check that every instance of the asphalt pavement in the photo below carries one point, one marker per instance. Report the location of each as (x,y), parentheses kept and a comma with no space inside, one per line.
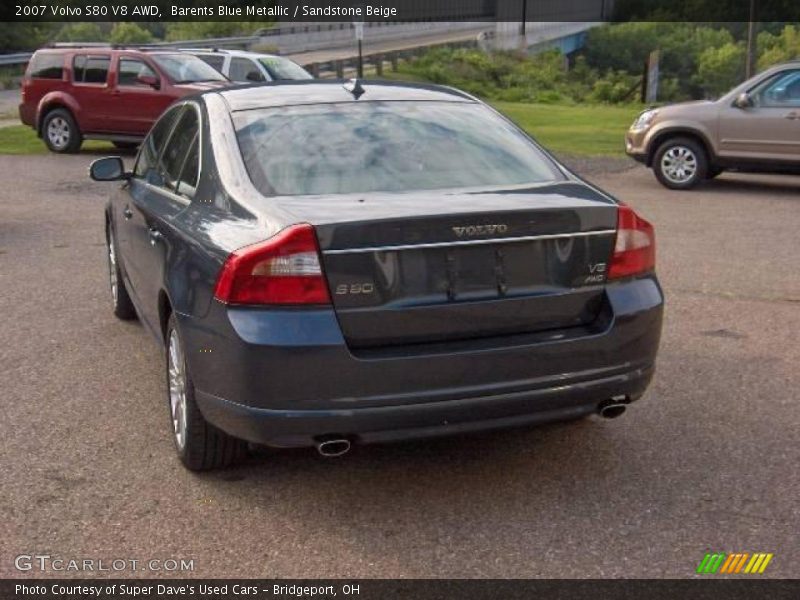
(706,461)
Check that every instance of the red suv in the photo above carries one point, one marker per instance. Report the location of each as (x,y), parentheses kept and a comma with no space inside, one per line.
(75,92)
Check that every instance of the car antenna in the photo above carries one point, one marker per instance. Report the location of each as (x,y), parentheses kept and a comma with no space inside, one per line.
(354,87)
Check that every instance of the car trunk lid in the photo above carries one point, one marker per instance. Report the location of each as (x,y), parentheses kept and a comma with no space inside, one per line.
(433,267)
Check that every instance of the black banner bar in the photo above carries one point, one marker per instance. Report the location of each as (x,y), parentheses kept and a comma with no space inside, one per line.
(711,588)
(299,11)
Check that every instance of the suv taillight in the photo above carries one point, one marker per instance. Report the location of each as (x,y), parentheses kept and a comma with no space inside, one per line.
(635,248)
(283,270)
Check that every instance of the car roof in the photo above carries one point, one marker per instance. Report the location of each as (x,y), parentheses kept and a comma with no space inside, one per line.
(88,48)
(314,91)
(223,51)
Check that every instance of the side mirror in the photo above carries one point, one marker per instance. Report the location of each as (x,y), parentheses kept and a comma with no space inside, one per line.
(150,80)
(743,100)
(254,76)
(110,168)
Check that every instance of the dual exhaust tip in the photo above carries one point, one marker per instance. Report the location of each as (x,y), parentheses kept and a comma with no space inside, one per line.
(613,407)
(332,446)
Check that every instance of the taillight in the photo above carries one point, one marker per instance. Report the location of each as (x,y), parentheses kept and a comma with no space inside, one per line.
(284,269)
(635,249)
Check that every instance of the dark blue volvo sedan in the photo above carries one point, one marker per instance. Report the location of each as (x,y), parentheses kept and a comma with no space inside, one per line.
(336,263)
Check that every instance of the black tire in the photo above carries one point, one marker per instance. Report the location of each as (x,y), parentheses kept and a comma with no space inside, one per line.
(685,165)
(123,306)
(199,445)
(60,132)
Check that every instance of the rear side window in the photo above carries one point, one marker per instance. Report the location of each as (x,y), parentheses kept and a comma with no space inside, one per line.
(215,60)
(90,69)
(47,66)
(179,152)
(187,182)
(244,69)
(153,143)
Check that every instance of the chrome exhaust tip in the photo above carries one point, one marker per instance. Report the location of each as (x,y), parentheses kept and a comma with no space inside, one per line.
(332,448)
(613,407)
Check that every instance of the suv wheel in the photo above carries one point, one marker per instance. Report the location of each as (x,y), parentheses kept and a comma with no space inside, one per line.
(200,445)
(60,132)
(680,163)
(123,306)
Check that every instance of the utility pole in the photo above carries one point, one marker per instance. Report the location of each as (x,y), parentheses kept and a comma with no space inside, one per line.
(524,17)
(359,26)
(752,50)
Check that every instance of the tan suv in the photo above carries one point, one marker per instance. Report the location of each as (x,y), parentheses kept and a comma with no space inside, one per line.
(754,127)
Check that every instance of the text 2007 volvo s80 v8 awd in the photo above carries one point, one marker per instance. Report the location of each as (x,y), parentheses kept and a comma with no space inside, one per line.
(328,264)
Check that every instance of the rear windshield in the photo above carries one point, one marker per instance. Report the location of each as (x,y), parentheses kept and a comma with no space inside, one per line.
(282,68)
(185,68)
(385,146)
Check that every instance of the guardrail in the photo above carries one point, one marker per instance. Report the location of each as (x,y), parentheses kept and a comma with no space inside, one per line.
(9,60)
(377,61)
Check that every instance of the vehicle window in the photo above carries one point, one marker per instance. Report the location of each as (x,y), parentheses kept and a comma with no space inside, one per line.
(130,69)
(282,68)
(47,66)
(90,69)
(186,68)
(385,146)
(187,182)
(178,148)
(215,60)
(153,144)
(781,91)
(244,69)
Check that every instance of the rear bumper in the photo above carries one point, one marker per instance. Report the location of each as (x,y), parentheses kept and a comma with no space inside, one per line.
(288,428)
(283,378)
(27,114)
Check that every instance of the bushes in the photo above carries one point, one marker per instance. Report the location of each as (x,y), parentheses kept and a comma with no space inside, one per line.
(515,77)
(697,61)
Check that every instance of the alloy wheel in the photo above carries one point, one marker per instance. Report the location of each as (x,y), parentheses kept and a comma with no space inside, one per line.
(58,132)
(679,164)
(112,268)
(176,373)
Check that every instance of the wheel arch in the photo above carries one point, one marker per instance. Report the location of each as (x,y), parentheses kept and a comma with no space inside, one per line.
(52,102)
(663,136)
(165,310)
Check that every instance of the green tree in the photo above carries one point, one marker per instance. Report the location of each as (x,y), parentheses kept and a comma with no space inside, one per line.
(778,48)
(624,47)
(198,30)
(129,33)
(719,69)
(18,37)
(81,32)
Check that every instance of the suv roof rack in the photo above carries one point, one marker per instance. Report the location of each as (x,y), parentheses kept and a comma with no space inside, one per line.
(110,46)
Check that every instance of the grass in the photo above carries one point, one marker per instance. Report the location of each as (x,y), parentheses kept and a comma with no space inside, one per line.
(21,139)
(582,130)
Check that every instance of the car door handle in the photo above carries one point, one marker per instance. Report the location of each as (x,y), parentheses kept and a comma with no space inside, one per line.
(155,236)
(127,213)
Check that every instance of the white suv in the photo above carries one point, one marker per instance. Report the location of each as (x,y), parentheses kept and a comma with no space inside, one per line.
(238,65)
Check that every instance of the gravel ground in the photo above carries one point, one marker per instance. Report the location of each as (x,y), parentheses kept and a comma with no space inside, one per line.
(707,460)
